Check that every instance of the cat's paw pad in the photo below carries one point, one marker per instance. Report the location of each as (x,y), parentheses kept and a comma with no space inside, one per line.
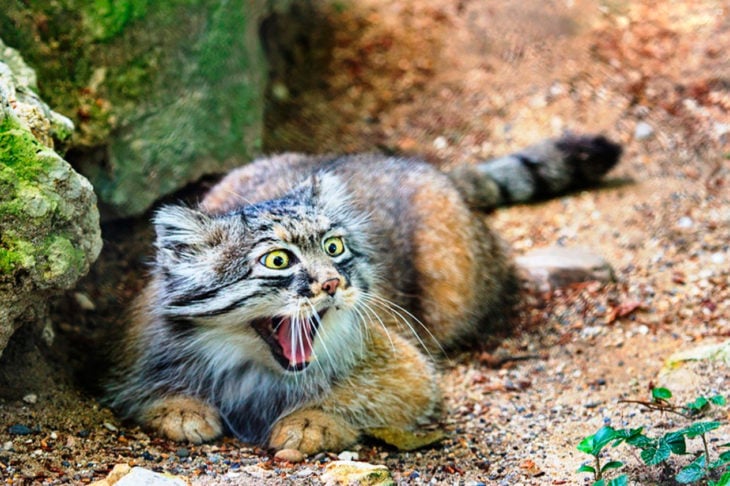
(184,419)
(312,431)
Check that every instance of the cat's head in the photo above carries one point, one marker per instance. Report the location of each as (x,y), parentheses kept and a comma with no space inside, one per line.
(283,278)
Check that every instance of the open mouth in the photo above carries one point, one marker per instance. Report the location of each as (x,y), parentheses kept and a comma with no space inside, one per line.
(291,341)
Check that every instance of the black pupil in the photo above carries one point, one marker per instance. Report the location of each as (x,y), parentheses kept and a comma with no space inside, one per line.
(332,248)
(278,261)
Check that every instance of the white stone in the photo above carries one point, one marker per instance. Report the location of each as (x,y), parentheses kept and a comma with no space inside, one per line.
(643,131)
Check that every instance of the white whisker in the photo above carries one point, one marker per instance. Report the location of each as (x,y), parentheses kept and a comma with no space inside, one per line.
(405,317)
(322,333)
(374,314)
(361,323)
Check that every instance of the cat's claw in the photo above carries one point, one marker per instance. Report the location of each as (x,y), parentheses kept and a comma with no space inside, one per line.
(185,419)
(311,431)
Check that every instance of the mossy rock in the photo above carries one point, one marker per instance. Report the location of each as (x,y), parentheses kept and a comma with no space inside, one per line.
(161,93)
(49,223)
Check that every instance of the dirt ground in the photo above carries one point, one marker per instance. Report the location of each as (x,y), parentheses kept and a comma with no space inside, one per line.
(463,80)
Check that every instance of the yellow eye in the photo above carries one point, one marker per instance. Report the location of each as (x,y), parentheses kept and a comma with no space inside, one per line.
(334,246)
(276,260)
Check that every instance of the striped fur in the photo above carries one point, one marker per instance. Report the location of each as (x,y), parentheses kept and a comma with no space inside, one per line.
(303,301)
(543,170)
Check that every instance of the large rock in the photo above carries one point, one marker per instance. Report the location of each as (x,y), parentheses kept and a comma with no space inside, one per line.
(161,92)
(49,223)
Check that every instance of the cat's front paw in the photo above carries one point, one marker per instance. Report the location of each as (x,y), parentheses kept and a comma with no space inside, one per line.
(311,431)
(183,418)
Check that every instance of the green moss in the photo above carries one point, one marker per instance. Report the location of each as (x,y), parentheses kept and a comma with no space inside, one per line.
(8,261)
(107,18)
(15,253)
(19,151)
(60,258)
(24,164)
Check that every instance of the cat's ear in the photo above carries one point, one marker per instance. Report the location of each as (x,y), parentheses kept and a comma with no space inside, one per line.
(179,227)
(328,190)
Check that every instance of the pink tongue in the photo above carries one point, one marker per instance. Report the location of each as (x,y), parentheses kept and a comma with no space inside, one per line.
(297,349)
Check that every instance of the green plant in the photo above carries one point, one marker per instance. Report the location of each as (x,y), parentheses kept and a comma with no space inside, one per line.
(658,450)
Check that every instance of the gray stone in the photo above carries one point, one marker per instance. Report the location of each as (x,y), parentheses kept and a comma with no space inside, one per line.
(49,223)
(144,477)
(557,266)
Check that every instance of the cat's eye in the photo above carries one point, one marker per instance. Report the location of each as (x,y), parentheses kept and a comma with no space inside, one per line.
(276,260)
(334,246)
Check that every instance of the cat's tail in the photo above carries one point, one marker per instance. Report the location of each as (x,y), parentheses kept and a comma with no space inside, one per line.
(546,169)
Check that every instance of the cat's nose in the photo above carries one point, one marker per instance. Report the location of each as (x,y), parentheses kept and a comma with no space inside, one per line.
(330,286)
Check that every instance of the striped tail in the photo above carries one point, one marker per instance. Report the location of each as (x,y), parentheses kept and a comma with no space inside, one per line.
(541,171)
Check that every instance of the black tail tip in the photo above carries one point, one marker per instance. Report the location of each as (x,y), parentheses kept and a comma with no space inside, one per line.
(592,155)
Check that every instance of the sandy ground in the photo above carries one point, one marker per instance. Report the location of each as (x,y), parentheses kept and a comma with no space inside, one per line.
(464,80)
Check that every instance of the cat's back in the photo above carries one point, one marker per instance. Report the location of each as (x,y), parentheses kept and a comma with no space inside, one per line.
(371,179)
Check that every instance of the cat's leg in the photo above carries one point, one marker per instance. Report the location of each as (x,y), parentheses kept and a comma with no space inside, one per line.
(183,418)
(394,386)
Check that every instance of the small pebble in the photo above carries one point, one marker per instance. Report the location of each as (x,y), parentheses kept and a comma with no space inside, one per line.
(289,455)
(279,91)
(304,473)
(30,398)
(182,453)
(147,456)
(19,429)
(347,456)
(110,427)
(685,222)
(84,302)
(440,143)
(8,445)
(643,131)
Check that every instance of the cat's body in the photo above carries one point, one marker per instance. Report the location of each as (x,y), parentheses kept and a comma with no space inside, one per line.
(298,305)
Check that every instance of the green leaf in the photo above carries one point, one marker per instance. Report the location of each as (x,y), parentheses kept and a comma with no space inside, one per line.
(692,472)
(655,455)
(622,480)
(722,460)
(641,441)
(611,465)
(700,428)
(718,400)
(676,442)
(587,469)
(723,481)
(661,394)
(594,443)
(586,445)
(698,405)
(626,435)
(600,482)
(604,435)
